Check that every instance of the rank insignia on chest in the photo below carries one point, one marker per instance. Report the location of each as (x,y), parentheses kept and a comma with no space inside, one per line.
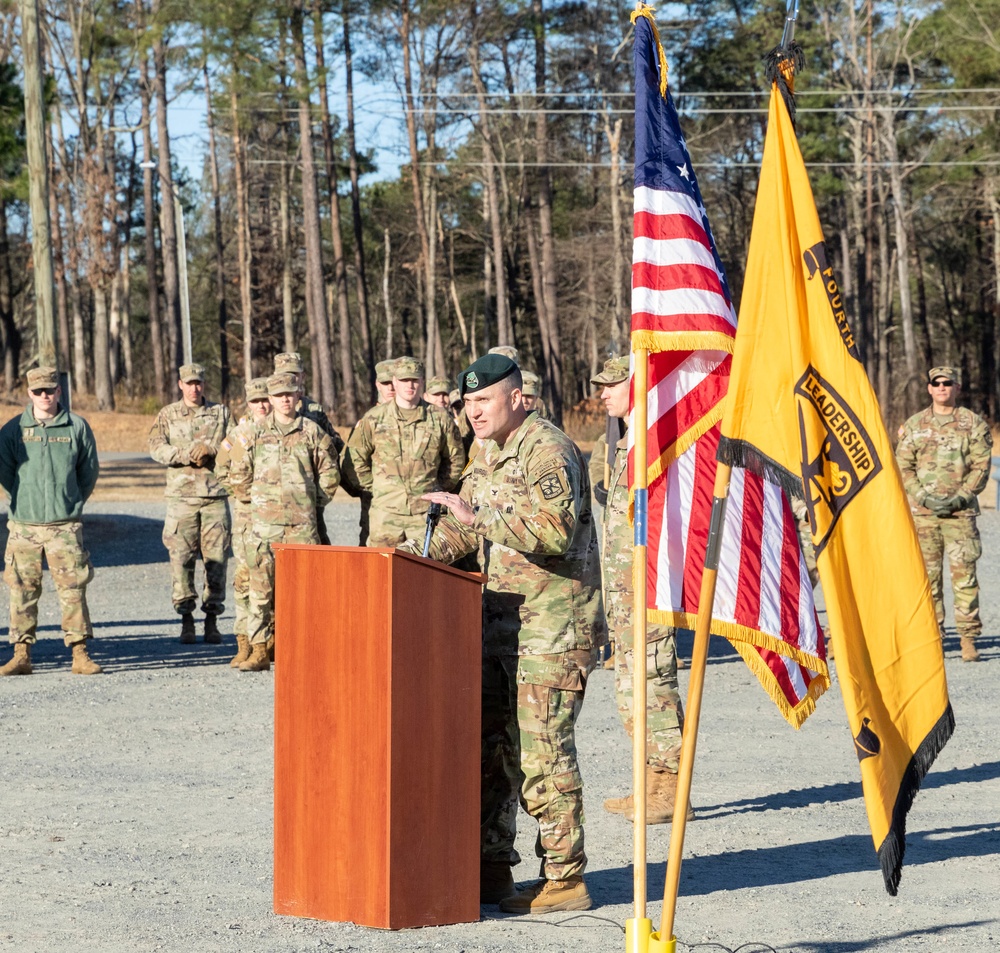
(552,485)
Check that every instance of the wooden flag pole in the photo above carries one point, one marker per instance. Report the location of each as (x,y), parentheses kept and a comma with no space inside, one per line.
(638,929)
(699,661)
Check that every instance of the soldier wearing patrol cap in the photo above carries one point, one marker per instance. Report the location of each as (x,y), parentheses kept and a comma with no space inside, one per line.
(48,466)
(525,506)
(437,392)
(664,713)
(944,456)
(532,394)
(400,450)
(383,380)
(185,438)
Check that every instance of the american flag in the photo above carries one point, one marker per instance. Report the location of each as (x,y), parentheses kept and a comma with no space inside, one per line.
(682,312)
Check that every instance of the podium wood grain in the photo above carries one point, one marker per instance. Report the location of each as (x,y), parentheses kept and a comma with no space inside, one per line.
(377,713)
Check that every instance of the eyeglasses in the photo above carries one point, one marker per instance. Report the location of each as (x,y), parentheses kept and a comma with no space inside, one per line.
(38,391)
(942,383)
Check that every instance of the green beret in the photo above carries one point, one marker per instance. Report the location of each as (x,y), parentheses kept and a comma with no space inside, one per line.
(615,371)
(489,369)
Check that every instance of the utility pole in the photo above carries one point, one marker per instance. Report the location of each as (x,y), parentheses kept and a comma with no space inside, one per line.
(38,180)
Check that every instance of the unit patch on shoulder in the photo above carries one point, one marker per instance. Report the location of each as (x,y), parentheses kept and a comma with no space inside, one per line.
(552,484)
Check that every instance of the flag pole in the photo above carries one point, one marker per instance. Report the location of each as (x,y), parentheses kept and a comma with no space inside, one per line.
(699,660)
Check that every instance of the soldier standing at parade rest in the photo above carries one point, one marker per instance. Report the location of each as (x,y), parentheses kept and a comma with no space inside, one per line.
(258,407)
(664,713)
(185,438)
(48,466)
(291,470)
(944,455)
(525,505)
(399,451)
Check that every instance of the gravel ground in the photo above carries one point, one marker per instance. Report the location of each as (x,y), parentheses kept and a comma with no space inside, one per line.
(136,809)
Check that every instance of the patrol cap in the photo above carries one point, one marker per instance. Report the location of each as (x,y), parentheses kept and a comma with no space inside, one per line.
(615,371)
(383,371)
(438,385)
(944,370)
(191,372)
(42,377)
(529,383)
(284,383)
(455,397)
(506,350)
(407,368)
(489,369)
(288,361)
(256,388)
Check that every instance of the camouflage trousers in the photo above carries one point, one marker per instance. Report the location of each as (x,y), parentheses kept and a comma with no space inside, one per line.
(241,575)
(530,707)
(958,536)
(808,550)
(664,711)
(69,565)
(193,527)
(260,559)
(390,529)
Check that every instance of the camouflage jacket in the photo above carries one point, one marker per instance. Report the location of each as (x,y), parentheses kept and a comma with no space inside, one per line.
(234,446)
(618,537)
(313,410)
(177,427)
(396,460)
(289,474)
(944,456)
(538,545)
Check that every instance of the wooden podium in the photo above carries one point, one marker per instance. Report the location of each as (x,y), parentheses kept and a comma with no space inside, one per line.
(376,737)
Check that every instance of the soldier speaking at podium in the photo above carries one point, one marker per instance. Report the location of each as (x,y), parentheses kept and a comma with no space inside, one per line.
(525,505)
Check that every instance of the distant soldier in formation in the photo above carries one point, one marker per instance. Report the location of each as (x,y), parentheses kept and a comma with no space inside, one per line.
(664,712)
(399,451)
(383,381)
(944,455)
(185,438)
(290,468)
(456,407)
(533,401)
(235,444)
(48,466)
(437,392)
(525,506)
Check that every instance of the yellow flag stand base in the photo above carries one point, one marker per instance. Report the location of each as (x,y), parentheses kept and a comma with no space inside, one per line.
(640,938)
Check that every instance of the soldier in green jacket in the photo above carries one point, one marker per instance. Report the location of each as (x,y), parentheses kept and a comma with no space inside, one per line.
(525,506)
(290,468)
(48,466)
(400,450)
(944,456)
(185,438)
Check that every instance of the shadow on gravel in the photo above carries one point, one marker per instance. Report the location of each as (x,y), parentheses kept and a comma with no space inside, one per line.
(798,863)
(856,946)
(720,650)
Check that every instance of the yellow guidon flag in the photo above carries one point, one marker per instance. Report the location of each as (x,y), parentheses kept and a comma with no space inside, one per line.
(802,413)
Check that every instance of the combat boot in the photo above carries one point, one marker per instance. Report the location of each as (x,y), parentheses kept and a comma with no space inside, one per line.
(969,651)
(270,649)
(618,805)
(242,651)
(549,896)
(496,882)
(83,664)
(187,629)
(661,793)
(212,634)
(20,664)
(258,661)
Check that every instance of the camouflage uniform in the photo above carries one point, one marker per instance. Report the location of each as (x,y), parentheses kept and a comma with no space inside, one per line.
(291,472)
(948,456)
(543,626)
(396,455)
(664,712)
(197,520)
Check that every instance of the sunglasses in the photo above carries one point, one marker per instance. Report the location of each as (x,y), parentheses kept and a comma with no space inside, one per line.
(47,391)
(942,383)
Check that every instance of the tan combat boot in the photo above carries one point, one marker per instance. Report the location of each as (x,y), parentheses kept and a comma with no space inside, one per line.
(20,664)
(661,792)
(549,896)
(83,664)
(969,651)
(258,661)
(242,651)
(187,629)
(496,882)
(618,805)
(270,648)
(212,634)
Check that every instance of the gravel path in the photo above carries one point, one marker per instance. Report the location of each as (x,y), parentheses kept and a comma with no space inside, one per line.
(136,811)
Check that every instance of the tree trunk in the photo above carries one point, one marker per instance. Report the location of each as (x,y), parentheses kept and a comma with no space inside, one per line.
(614,136)
(149,224)
(9,334)
(220,261)
(103,390)
(242,232)
(336,236)
(126,319)
(385,297)
(115,328)
(287,313)
(315,303)
(993,204)
(58,260)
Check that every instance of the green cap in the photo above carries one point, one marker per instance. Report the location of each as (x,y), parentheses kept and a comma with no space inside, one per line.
(284,383)
(288,361)
(256,388)
(488,370)
(383,371)
(615,371)
(191,372)
(408,368)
